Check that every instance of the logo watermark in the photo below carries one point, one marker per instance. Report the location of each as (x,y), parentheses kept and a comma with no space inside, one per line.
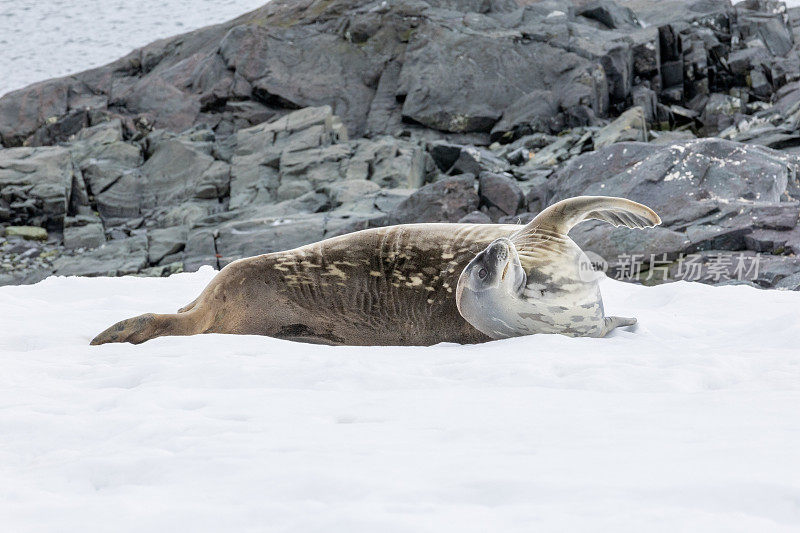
(708,267)
(592,267)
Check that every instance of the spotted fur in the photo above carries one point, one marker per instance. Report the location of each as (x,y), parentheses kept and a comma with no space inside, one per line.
(553,289)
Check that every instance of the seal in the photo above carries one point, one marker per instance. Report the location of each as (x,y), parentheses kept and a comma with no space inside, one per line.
(384,286)
(539,281)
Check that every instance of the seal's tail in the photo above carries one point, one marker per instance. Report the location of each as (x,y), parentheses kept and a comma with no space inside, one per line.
(149,326)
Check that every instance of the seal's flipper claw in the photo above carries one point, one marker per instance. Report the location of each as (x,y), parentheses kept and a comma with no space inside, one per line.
(142,328)
(613,322)
(134,330)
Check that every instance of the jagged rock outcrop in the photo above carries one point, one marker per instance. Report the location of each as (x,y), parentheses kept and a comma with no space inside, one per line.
(304,120)
(35,185)
(376,64)
(711,195)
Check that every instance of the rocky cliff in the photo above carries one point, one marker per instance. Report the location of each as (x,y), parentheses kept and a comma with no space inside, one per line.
(308,119)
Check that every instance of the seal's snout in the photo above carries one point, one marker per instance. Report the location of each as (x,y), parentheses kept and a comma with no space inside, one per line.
(499,250)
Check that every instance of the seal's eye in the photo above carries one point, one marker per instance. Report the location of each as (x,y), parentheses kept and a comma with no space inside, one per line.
(482,273)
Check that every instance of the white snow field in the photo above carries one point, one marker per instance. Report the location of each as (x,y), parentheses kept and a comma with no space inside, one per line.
(689,423)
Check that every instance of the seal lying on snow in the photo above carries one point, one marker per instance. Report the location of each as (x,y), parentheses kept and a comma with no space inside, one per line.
(385,286)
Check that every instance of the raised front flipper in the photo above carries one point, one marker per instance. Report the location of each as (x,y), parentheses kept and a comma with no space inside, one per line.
(562,216)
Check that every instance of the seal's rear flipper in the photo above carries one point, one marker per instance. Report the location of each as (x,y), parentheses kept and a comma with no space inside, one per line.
(613,322)
(142,328)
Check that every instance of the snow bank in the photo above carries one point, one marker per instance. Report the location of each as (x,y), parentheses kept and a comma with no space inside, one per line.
(691,422)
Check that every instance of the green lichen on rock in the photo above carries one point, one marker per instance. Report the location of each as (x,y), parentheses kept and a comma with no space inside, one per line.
(32,233)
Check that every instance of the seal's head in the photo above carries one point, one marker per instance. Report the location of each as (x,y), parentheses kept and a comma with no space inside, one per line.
(488,285)
(555,290)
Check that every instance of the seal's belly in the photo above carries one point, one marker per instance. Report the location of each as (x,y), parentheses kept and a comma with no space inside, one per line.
(578,313)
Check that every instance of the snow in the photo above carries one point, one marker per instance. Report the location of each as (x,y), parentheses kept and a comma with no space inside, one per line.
(688,423)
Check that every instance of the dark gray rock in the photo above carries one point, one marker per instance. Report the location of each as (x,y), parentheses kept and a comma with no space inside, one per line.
(456,159)
(705,174)
(162,271)
(172,173)
(518,152)
(474,160)
(444,155)
(164,242)
(487,71)
(759,83)
(475,217)
(623,248)
(83,231)
(389,163)
(306,170)
(297,69)
(177,82)
(629,126)
(647,100)
(742,61)
(385,117)
(22,112)
(214,182)
(609,13)
(729,236)
(352,194)
(536,111)
(789,283)
(111,174)
(35,186)
(773,241)
(115,258)
(613,51)
(263,235)
(200,250)
(451,66)
(535,188)
(284,154)
(762,28)
(773,269)
(500,195)
(448,200)
(670,137)
(723,267)
(556,152)
(720,112)
(184,214)
(726,190)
